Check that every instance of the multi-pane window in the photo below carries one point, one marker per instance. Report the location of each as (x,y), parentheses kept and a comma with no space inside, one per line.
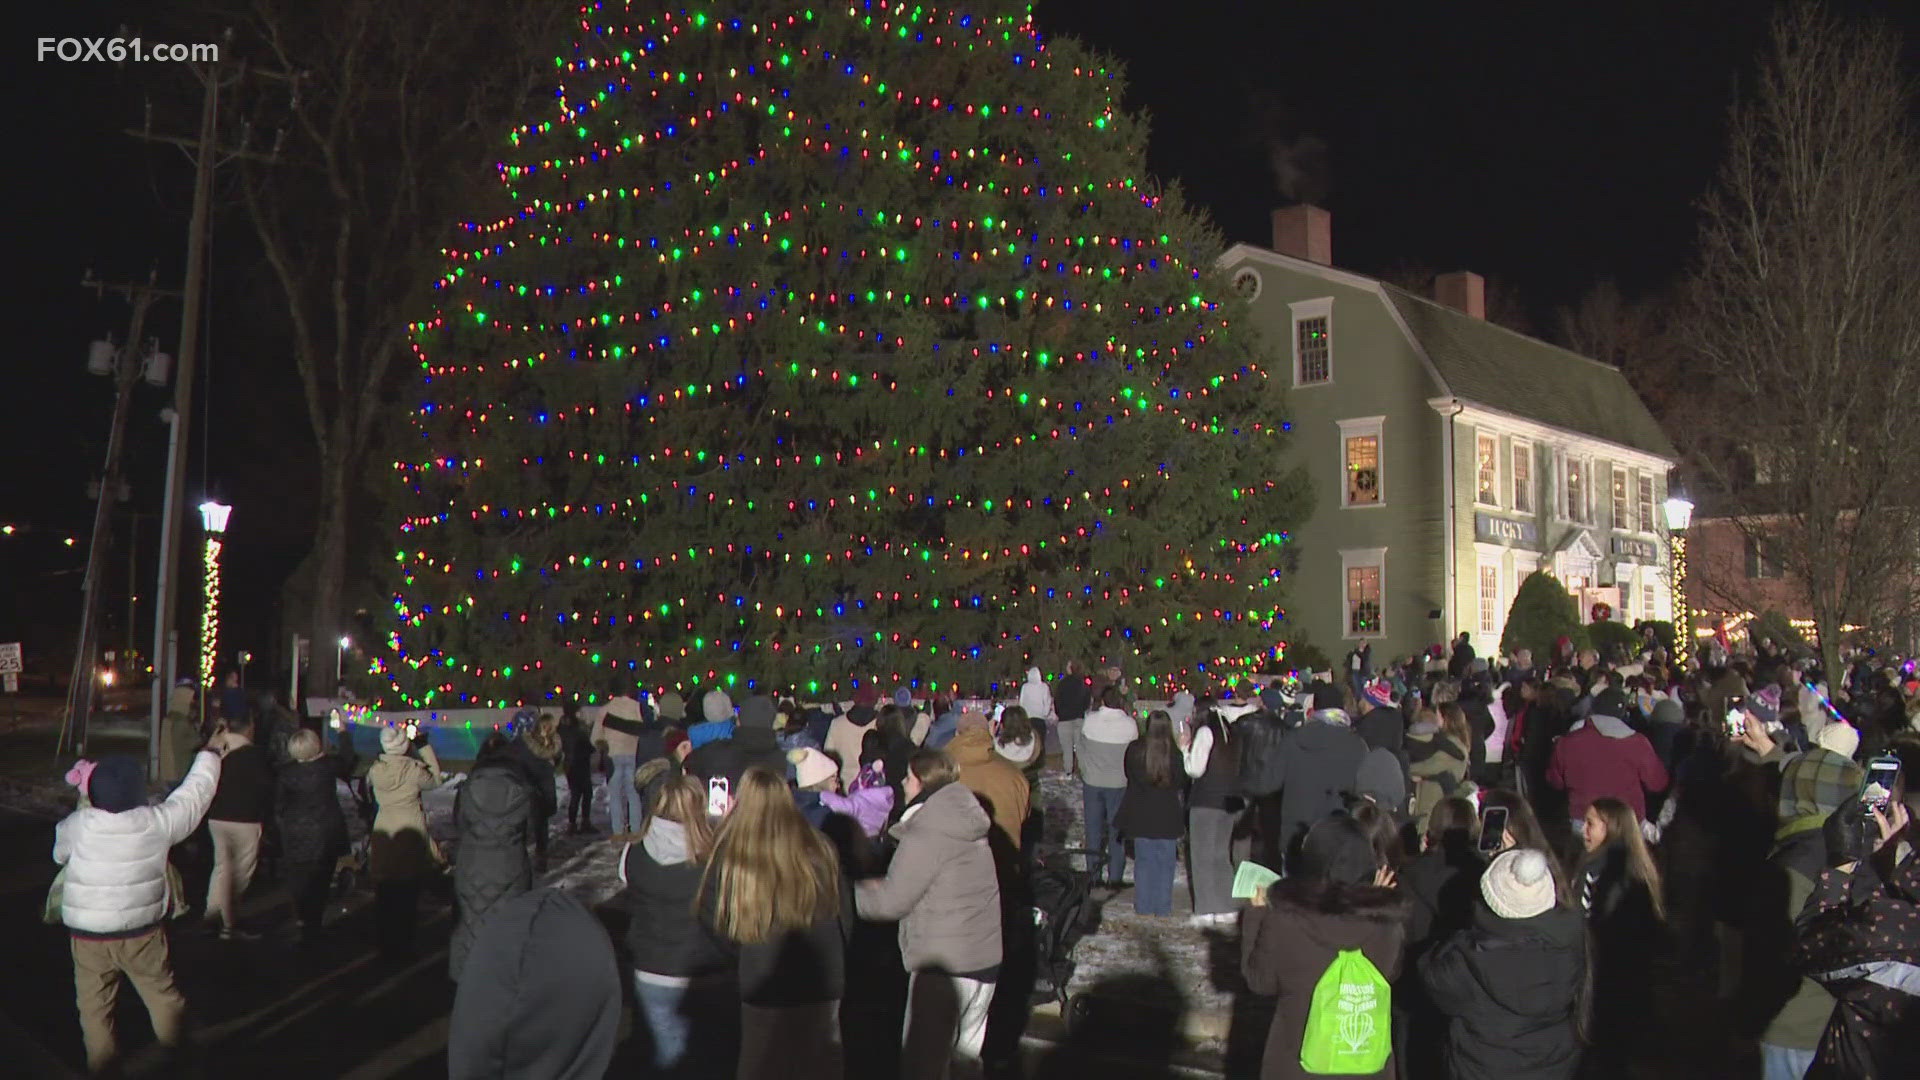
(1363,469)
(1647,610)
(1489,598)
(1643,503)
(1363,601)
(1759,565)
(1622,505)
(1486,490)
(1313,349)
(1522,476)
(1578,475)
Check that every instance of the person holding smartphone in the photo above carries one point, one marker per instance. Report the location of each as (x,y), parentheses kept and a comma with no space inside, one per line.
(1861,930)
(403,855)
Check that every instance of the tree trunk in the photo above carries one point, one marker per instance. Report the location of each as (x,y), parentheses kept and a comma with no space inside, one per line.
(324,670)
(1827,625)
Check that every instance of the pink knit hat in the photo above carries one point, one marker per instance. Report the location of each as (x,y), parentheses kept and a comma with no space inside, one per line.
(81,772)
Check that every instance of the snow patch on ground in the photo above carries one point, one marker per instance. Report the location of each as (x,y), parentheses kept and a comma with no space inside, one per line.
(1159,960)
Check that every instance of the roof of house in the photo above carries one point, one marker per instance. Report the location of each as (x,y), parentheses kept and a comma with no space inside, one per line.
(1490,365)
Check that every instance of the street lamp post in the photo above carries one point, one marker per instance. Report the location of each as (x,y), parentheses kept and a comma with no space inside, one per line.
(1679,510)
(340,663)
(213,521)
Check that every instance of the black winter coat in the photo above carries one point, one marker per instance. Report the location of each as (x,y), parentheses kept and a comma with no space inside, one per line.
(804,967)
(1512,989)
(663,936)
(1859,937)
(577,746)
(1443,884)
(1072,695)
(1258,741)
(1218,787)
(1148,812)
(1319,762)
(493,815)
(245,793)
(537,772)
(749,746)
(545,997)
(307,806)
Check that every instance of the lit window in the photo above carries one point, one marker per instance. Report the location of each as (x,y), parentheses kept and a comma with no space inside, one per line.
(1312,342)
(1647,610)
(1363,582)
(1622,508)
(1643,504)
(1362,457)
(1523,476)
(1363,601)
(1578,474)
(1486,490)
(1489,598)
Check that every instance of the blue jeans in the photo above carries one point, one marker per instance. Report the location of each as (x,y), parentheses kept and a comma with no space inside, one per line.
(1784,1062)
(624,812)
(1102,805)
(661,1013)
(1153,875)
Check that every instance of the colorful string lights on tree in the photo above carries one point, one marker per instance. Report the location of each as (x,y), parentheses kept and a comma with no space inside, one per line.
(829,345)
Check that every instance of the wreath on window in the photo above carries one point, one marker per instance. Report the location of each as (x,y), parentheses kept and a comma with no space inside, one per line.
(1364,480)
(1602,611)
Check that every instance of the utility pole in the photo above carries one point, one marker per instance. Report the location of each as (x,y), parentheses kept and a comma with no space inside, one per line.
(203,150)
(127,364)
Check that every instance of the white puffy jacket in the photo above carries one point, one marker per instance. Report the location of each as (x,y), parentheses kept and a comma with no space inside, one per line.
(116,864)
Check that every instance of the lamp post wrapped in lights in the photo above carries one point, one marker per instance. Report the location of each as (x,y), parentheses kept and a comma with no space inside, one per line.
(1679,511)
(213,522)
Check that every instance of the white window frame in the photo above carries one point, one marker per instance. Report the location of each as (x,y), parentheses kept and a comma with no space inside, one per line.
(1650,599)
(1620,510)
(1565,459)
(1491,620)
(1525,563)
(1646,509)
(1317,308)
(1499,476)
(1352,559)
(1359,427)
(1518,447)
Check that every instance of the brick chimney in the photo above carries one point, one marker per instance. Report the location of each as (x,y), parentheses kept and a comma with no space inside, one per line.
(1462,290)
(1305,232)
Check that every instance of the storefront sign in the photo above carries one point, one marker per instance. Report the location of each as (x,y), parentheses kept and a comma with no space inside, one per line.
(1642,550)
(1488,527)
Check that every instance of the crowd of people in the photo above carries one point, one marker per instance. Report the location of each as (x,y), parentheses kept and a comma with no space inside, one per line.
(1478,869)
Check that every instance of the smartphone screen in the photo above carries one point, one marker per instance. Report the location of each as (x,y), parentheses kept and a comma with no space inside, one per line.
(1493,828)
(1736,716)
(413,731)
(1877,791)
(719,796)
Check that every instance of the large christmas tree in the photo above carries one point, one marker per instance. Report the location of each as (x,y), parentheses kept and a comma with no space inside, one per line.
(826,345)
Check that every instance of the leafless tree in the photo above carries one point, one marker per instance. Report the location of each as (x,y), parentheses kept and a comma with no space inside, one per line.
(1638,336)
(1804,323)
(393,113)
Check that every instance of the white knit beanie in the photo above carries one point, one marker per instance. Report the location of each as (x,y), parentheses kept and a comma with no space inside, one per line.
(393,739)
(1840,737)
(1519,884)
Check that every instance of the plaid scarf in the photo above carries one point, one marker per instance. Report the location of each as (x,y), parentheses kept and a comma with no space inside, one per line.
(1812,786)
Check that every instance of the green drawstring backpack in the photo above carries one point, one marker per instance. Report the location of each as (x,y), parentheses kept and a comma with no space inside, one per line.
(1350,1021)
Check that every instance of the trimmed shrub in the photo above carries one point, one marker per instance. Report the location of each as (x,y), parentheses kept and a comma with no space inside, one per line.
(1608,636)
(1542,613)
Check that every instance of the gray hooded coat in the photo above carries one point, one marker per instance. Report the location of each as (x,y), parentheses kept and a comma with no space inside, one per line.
(493,814)
(941,885)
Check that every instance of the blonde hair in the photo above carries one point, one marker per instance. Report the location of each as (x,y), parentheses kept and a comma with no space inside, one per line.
(1453,722)
(303,745)
(771,873)
(684,802)
(1623,828)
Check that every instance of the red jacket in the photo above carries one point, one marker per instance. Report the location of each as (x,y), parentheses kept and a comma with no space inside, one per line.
(1604,758)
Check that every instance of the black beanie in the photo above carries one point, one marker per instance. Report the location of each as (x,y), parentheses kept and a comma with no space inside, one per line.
(1326,696)
(118,784)
(1337,850)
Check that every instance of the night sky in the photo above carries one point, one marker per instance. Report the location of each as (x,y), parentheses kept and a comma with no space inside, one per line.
(1549,145)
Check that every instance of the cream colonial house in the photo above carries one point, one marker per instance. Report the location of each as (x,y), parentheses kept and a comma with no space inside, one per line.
(1451,457)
